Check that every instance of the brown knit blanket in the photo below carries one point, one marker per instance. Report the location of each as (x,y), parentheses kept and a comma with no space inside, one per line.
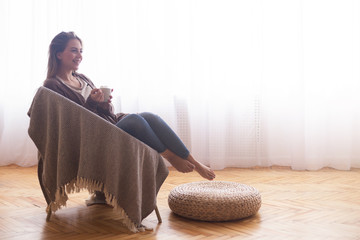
(80,150)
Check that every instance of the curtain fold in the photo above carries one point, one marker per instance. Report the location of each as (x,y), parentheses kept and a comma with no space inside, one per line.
(243,83)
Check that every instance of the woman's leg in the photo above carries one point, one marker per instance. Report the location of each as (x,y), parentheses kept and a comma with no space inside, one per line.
(139,128)
(136,126)
(166,135)
(173,143)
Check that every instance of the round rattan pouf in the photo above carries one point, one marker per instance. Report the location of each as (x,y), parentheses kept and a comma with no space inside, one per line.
(214,201)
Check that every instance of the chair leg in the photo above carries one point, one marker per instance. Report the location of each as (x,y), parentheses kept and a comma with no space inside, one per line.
(158,214)
(48,214)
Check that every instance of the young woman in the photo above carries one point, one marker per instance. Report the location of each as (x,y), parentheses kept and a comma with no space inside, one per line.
(65,55)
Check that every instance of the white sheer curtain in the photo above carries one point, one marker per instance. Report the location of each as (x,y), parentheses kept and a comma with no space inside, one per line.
(243,83)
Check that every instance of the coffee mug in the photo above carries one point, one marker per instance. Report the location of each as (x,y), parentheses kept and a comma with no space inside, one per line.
(107,92)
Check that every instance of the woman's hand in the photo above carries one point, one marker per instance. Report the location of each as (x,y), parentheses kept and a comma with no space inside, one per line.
(97,95)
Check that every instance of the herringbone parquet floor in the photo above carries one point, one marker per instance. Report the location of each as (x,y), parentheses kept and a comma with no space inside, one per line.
(295,205)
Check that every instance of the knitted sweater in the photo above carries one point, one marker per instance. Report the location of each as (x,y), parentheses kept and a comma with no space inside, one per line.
(58,86)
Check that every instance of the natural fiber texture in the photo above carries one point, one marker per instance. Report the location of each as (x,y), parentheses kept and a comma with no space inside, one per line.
(80,150)
(214,201)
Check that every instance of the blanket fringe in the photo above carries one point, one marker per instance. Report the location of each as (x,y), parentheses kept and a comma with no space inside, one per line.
(79,184)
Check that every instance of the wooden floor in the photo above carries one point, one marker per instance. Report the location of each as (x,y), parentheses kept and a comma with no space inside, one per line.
(295,205)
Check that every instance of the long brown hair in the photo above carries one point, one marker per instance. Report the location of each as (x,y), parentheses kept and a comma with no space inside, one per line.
(58,44)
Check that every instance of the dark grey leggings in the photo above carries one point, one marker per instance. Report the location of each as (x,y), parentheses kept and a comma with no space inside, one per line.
(153,131)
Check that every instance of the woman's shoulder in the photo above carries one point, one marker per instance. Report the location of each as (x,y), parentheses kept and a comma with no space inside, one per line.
(56,85)
(51,82)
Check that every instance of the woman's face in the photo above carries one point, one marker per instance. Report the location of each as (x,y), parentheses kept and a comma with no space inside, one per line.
(71,57)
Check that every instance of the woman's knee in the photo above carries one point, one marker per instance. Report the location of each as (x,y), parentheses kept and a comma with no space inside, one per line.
(132,122)
(151,117)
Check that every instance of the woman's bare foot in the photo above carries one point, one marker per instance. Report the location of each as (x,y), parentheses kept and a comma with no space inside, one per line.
(188,165)
(203,170)
(180,164)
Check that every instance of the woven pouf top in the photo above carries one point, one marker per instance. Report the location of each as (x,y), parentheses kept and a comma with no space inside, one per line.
(214,201)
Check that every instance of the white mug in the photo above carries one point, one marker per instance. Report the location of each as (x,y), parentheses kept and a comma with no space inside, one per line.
(107,92)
